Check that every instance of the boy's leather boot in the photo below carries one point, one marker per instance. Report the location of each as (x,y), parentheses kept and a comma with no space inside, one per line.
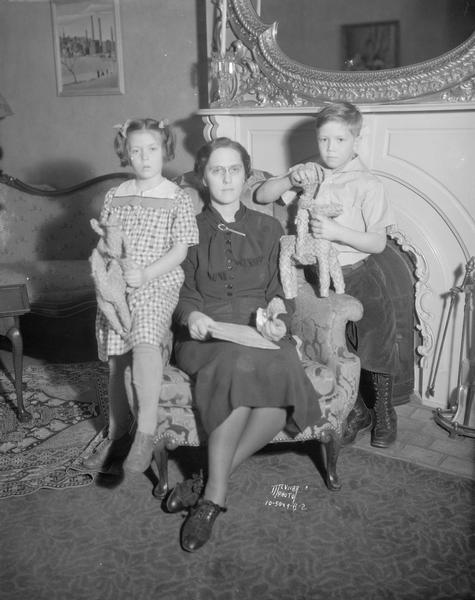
(385,429)
(360,419)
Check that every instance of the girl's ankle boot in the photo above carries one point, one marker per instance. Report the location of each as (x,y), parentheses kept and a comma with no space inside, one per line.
(140,455)
(106,452)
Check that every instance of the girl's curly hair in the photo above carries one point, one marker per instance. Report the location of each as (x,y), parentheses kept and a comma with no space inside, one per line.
(144,124)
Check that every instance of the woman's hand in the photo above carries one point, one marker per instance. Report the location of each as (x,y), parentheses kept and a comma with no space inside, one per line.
(198,325)
(272,329)
(134,275)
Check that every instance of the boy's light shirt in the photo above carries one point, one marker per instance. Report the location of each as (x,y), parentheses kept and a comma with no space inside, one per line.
(365,206)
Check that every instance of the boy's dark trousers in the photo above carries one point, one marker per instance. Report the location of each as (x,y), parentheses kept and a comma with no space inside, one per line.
(373,340)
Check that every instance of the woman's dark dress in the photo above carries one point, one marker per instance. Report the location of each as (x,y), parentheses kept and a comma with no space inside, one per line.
(227,277)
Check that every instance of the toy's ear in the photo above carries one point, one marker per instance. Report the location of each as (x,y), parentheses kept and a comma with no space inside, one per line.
(97,228)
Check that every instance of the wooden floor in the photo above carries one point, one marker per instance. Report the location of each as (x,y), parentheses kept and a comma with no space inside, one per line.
(424,442)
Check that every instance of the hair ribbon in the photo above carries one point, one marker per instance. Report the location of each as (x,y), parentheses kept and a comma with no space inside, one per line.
(122,127)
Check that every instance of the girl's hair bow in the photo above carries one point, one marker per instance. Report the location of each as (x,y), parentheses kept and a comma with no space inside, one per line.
(122,127)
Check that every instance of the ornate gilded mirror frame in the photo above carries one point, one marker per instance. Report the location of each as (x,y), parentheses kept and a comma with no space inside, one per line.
(255,71)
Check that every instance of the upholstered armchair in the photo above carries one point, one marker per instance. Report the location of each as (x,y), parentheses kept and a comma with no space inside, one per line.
(319,323)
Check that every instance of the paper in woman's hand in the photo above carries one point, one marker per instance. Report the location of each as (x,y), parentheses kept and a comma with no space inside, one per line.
(241,334)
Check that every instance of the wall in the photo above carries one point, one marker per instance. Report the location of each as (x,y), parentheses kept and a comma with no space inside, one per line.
(63,140)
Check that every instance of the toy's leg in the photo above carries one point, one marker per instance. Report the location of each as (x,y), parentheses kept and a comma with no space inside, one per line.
(288,271)
(117,291)
(323,268)
(110,313)
(336,272)
(123,312)
(301,223)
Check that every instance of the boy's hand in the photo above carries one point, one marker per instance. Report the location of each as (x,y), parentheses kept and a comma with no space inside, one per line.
(306,174)
(198,325)
(325,228)
(134,275)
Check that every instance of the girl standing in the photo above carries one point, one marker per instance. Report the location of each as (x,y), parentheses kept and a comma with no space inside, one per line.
(157,217)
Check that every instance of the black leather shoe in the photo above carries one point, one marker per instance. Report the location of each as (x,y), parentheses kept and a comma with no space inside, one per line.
(197,528)
(360,419)
(185,494)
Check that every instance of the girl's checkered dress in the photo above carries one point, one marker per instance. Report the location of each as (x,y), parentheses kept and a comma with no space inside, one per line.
(153,221)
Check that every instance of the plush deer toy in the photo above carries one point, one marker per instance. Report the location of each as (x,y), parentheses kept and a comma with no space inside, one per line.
(107,261)
(305,249)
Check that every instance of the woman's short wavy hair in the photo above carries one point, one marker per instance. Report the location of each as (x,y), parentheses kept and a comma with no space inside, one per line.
(204,153)
(144,124)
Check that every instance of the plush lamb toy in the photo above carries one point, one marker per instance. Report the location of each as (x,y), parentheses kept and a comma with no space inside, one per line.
(305,249)
(107,261)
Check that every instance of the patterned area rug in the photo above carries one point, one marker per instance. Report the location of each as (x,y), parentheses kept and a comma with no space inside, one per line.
(65,403)
(395,531)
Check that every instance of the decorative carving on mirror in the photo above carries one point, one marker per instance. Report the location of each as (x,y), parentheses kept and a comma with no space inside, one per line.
(263,75)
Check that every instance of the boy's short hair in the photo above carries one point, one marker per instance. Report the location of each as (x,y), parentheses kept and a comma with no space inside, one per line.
(144,124)
(344,112)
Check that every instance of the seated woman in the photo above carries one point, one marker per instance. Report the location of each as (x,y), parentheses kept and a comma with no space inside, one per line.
(244,395)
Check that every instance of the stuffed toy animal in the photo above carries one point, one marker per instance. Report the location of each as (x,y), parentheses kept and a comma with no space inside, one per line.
(107,261)
(305,249)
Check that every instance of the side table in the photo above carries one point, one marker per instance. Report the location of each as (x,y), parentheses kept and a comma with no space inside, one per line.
(13,303)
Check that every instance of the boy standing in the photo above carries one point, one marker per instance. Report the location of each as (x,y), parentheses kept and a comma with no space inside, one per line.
(357,233)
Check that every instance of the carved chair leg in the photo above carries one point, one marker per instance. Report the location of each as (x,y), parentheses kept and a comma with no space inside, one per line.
(14,335)
(160,455)
(332,450)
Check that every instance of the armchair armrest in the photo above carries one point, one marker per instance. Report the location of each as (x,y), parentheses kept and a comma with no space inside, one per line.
(321,323)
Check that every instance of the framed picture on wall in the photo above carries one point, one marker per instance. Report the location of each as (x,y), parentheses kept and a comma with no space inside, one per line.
(371,46)
(87,47)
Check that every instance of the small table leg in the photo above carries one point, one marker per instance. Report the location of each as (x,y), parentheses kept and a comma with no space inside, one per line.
(14,335)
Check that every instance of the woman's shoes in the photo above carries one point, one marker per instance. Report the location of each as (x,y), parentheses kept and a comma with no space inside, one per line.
(185,494)
(140,455)
(197,528)
(106,452)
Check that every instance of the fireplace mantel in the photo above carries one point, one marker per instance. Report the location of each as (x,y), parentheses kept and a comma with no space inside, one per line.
(425,155)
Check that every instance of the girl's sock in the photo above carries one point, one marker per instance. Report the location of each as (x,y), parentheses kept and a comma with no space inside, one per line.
(119,413)
(147,380)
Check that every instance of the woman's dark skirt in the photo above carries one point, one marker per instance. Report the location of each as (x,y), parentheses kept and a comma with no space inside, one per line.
(229,375)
